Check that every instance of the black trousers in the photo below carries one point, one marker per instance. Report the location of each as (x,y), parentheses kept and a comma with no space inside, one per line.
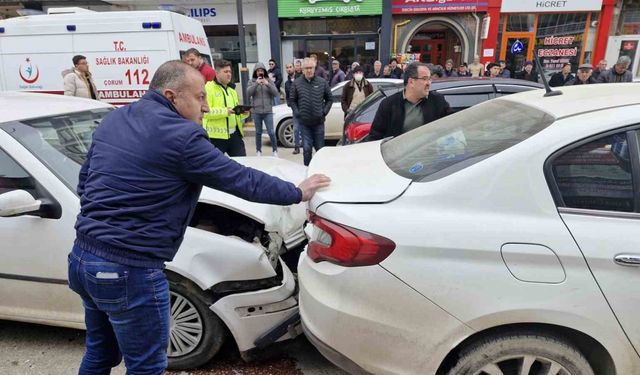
(234,146)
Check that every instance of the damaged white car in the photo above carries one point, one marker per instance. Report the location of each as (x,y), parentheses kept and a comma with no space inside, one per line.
(227,279)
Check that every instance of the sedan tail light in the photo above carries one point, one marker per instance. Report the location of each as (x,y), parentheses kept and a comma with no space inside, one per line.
(346,246)
(355,131)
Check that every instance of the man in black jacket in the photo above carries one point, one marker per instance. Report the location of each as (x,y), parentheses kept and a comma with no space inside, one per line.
(276,77)
(310,102)
(562,77)
(413,107)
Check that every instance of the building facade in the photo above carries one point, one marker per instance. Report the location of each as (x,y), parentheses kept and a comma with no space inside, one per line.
(434,31)
(556,32)
(346,31)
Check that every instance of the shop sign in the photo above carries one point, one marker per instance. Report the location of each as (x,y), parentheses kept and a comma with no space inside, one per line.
(438,6)
(517,47)
(541,6)
(328,8)
(557,50)
(406,58)
(203,14)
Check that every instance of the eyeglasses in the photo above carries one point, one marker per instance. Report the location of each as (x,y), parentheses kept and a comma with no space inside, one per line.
(423,78)
(308,68)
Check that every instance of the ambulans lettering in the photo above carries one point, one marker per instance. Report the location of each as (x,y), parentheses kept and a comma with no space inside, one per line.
(121,94)
(192,39)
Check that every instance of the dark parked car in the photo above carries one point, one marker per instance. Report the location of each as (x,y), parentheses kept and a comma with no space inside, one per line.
(461,93)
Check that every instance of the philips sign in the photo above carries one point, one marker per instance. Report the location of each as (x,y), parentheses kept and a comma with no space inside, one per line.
(202,12)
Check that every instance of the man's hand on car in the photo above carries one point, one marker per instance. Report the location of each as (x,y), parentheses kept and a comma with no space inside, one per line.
(312,184)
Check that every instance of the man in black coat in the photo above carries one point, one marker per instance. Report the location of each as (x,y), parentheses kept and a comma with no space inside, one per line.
(528,73)
(311,101)
(413,107)
(275,75)
(562,77)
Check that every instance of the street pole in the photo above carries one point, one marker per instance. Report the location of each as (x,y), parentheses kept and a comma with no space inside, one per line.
(244,76)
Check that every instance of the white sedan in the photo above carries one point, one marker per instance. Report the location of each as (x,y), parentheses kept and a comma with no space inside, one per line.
(227,276)
(503,239)
(333,126)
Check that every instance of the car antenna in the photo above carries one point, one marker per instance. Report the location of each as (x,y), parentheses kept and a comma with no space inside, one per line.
(547,88)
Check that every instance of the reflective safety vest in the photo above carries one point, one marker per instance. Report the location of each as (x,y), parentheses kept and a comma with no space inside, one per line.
(218,123)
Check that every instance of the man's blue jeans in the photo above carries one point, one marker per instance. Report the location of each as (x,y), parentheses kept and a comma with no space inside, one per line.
(297,136)
(127,314)
(267,118)
(312,137)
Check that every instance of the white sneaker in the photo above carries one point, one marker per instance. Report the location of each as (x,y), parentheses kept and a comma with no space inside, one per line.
(258,153)
(275,154)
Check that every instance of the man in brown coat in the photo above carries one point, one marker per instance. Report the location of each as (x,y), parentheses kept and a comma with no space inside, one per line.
(355,91)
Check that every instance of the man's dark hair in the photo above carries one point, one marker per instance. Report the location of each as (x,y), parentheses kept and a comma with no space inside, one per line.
(170,75)
(392,60)
(77,58)
(565,64)
(192,51)
(273,61)
(357,69)
(412,71)
(222,63)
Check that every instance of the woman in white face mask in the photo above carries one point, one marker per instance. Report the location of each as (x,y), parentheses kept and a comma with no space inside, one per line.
(355,91)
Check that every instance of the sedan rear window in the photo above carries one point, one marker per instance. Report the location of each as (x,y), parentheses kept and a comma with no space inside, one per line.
(462,139)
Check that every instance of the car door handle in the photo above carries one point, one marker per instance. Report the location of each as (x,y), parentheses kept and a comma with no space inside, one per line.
(627,260)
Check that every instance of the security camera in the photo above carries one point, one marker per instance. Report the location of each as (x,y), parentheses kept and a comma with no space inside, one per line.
(595,23)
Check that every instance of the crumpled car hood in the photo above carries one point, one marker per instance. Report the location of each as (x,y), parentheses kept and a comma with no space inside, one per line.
(287,221)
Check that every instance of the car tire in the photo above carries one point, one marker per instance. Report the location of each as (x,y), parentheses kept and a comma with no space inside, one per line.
(285,133)
(199,334)
(507,354)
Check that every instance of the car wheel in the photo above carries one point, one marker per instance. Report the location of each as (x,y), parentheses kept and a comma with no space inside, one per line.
(196,333)
(516,354)
(285,133)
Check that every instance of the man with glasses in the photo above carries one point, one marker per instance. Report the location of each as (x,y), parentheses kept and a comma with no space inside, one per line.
(411,108)
(78,81)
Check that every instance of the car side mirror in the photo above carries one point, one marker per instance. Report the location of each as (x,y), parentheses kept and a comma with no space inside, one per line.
(18,202)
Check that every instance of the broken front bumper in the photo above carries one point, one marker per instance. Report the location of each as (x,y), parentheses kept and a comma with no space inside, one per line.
(255,315)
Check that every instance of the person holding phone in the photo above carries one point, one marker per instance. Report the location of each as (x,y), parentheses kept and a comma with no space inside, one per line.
(261,91)
(222,123)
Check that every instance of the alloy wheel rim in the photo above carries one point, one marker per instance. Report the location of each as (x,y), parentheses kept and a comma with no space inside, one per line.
(288,134)
(526,364)
(186,328)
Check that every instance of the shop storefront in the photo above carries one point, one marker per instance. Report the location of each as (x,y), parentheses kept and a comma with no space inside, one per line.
(433,31)
(556,32)
(346,31)
(626,41)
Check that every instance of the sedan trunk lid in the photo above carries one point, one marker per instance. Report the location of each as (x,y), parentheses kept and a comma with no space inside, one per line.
(358,175)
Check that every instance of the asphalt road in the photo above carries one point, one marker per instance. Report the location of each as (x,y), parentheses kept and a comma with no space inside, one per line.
(30,349)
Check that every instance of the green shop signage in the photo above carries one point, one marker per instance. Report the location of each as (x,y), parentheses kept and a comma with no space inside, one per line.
(328,8)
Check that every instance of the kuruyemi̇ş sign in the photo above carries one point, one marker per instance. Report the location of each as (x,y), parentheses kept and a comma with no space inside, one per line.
(328,8)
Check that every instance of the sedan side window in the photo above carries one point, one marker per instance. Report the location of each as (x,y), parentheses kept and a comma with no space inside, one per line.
(12,176)
(597,175)
(460,98)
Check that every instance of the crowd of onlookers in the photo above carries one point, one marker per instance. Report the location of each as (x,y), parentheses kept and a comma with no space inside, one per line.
(585,73)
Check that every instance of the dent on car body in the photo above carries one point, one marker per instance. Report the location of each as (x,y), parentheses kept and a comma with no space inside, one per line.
(239,239)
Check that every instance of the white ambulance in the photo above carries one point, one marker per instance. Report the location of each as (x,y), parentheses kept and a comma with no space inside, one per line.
(123,49)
